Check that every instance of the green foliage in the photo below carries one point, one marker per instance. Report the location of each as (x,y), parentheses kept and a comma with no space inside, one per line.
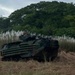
(50,18)
(66,31)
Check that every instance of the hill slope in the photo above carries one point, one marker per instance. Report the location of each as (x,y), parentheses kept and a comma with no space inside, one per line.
(50,18)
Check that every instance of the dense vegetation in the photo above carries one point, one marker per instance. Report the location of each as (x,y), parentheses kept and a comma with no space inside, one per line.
(50,18)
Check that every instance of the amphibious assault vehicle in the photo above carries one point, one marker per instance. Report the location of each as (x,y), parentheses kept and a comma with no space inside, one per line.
(30,47)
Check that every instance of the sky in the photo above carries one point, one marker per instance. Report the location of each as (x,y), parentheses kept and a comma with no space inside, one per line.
(9,6)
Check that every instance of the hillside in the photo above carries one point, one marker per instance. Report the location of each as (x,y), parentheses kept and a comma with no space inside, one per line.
(50,18)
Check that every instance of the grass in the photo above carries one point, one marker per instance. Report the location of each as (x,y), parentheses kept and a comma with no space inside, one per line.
(67,45)
(65,65)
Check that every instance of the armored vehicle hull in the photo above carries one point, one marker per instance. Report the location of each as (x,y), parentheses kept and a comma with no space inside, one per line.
(41,49)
